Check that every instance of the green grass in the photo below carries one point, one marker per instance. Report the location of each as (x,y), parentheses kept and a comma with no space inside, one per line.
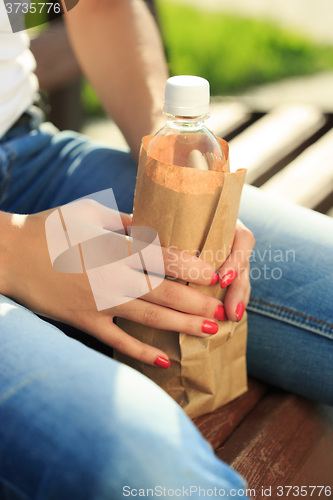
(232,52)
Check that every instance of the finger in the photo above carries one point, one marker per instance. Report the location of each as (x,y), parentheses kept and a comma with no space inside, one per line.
(169,261)
(247,296)
(186,299)
(107,332)
(186,267)
(163,318)
(237,296)
(172,263)
(239,257)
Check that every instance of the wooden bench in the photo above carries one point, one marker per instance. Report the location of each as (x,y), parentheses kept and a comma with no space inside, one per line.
(287,150)
(273,438)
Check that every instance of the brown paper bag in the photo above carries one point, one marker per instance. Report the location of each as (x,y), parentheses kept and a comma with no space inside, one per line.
(205,373)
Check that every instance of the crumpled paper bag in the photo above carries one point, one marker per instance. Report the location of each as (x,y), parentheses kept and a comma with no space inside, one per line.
(192,210)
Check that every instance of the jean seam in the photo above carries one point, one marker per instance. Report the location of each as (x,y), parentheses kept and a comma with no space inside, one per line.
(287,315)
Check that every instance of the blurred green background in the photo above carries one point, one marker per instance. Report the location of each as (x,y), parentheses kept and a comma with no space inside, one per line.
(232,52)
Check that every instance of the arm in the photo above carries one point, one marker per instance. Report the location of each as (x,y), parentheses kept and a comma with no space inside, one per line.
(119,48)
(28,277)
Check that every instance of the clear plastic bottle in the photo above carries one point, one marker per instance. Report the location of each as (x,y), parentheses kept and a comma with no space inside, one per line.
(185,141)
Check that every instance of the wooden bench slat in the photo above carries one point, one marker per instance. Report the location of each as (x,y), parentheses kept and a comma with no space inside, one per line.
(280,441)
(225,117)
(272,137)
(217,426)
(309,178)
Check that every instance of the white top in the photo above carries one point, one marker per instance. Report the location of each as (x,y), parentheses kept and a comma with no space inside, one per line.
(186,95)
(18,84)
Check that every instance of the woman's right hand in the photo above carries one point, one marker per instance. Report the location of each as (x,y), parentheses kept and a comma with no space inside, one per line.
(29,278)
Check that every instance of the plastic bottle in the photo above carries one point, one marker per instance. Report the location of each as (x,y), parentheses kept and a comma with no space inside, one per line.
(185,141)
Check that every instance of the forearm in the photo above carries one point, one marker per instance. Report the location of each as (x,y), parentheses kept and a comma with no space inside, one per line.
(5,228)
(10,226)
(119,48)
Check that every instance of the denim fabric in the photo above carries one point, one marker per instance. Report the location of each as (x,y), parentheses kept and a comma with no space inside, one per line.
(43,169)
(77,424)
(290,341)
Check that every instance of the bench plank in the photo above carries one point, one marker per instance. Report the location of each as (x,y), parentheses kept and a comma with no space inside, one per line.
(309,178)
(273,137)
(226,117)
(280,441)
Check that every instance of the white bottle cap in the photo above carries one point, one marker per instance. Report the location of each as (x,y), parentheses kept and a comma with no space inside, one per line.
(186,95)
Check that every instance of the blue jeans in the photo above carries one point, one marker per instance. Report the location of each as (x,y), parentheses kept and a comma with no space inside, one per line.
(76,424)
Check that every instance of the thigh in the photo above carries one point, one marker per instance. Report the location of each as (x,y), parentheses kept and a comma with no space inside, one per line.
(290,340)
(77,424)
(47,168)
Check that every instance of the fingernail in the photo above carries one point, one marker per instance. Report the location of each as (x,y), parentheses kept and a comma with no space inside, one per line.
(209,327)
(220,313)
(240,311)
(228,278)
(215,278)
(162,362)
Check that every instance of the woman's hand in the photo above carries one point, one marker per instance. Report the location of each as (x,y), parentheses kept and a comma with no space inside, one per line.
(30,279)
(235,273)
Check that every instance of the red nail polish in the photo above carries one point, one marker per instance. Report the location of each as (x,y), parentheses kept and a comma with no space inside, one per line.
(220,313)
(214,279)
(228,278)
(209,327)
(240,311)
(162,362)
